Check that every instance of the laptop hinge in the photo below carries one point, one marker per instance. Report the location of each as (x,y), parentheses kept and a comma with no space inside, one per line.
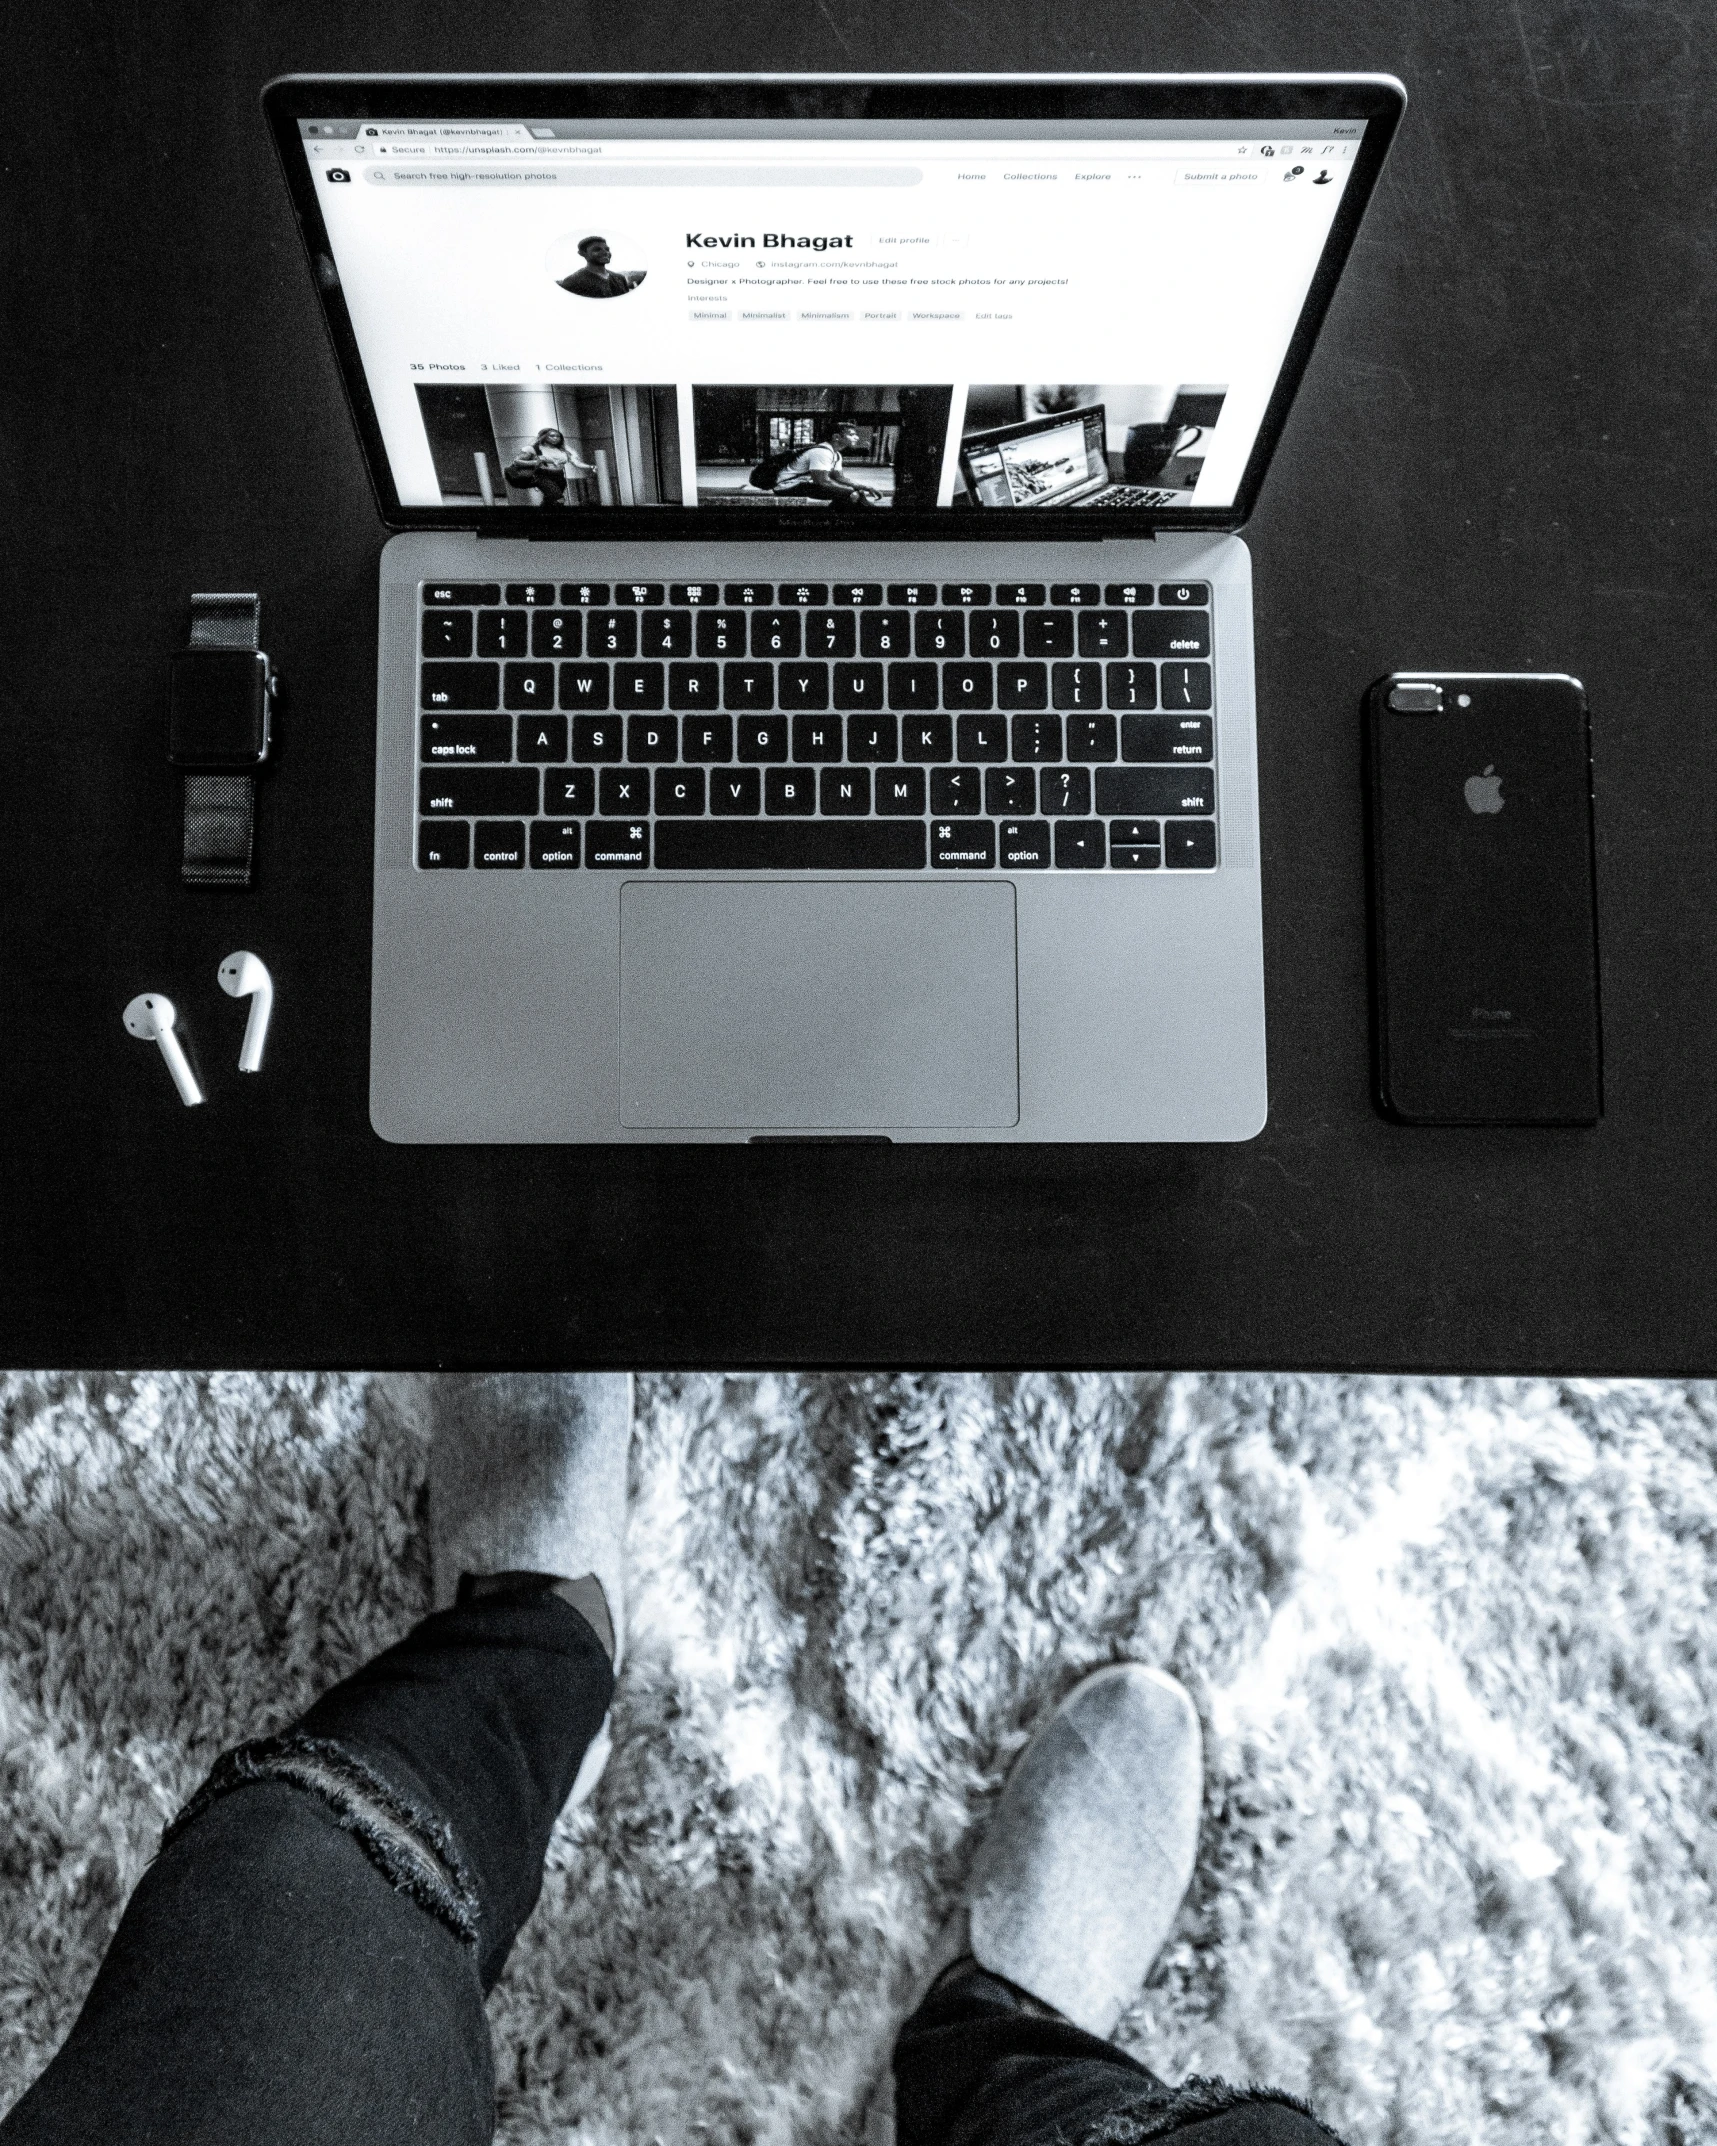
(962,529)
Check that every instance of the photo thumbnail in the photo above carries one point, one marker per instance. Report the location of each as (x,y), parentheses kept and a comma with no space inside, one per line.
(840,449)
(597,263)
(1079,446)
(554,446)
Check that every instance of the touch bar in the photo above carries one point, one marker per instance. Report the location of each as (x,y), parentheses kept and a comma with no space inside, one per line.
(790,846)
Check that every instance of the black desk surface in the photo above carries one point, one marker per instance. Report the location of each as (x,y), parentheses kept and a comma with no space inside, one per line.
(1501,460)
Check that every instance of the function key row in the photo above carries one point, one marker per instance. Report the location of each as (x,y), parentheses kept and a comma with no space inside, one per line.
(774,631)
(1020,595)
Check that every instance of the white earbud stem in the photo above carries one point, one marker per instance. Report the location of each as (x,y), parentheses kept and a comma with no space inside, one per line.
(245,976)
(151,1017)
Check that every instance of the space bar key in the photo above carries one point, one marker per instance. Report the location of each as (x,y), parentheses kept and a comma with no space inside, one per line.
(790,845)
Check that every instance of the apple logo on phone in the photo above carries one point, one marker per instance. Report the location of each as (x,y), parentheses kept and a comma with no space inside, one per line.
(1484,792)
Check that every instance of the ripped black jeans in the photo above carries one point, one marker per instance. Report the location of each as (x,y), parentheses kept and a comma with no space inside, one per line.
(305,1962)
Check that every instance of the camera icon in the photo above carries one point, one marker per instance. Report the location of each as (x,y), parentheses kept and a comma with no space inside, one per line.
(338,175)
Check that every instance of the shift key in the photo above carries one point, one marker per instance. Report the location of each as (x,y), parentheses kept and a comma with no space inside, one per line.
(460,740)
(478,793)
(1150,792)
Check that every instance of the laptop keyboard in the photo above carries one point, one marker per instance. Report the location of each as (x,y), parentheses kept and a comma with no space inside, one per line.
(812,726)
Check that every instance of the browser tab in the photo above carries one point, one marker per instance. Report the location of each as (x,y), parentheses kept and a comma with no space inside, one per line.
(463,132)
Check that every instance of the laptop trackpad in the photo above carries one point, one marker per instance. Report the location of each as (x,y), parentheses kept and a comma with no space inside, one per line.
(820,1006)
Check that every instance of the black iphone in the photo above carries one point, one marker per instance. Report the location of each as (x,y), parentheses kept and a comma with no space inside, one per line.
(1484,940)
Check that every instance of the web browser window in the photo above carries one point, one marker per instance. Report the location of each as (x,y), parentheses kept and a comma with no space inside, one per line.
(762,317)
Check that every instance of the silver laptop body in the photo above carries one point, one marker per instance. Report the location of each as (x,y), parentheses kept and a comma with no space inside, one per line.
(1043,958)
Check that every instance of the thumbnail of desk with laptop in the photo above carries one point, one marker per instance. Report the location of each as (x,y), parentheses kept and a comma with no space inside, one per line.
(1069,446)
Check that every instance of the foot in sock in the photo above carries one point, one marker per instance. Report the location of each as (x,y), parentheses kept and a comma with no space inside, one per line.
(1083,1870)
(527,1481)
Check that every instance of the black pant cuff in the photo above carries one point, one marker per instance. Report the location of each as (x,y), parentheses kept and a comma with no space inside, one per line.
(1165,2112)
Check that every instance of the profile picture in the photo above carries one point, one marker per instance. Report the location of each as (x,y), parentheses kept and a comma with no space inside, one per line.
(597,262)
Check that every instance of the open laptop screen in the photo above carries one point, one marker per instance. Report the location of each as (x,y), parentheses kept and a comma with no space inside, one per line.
(562,316)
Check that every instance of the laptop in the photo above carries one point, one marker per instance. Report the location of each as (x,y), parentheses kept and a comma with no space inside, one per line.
(770,744)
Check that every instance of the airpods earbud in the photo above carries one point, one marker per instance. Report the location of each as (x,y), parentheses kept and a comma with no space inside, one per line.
(151,1017)
(244,976)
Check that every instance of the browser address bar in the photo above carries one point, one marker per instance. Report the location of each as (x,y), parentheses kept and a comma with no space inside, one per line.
(677,175)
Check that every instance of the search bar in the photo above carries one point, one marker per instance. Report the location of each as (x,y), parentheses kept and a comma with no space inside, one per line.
(792,176)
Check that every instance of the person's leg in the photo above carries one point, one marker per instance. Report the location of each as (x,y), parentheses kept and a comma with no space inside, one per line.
(306,1959)
(978,2055)
(1073,1892)
(980,2062)
(840,496)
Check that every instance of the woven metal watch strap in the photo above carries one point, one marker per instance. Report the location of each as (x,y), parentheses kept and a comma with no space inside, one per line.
(220,810)
(220,819)
(226,622)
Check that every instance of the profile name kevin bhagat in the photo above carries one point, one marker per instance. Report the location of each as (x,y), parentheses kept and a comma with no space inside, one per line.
(746,243)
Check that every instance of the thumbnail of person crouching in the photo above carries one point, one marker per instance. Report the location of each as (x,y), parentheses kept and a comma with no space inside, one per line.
(818,472)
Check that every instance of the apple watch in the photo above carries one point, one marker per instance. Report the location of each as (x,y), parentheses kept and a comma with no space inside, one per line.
(220,706)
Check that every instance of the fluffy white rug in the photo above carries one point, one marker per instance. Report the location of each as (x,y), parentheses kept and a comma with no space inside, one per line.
(1452,1643)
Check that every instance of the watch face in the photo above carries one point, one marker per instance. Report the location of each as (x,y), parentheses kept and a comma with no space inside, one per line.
(218,715)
